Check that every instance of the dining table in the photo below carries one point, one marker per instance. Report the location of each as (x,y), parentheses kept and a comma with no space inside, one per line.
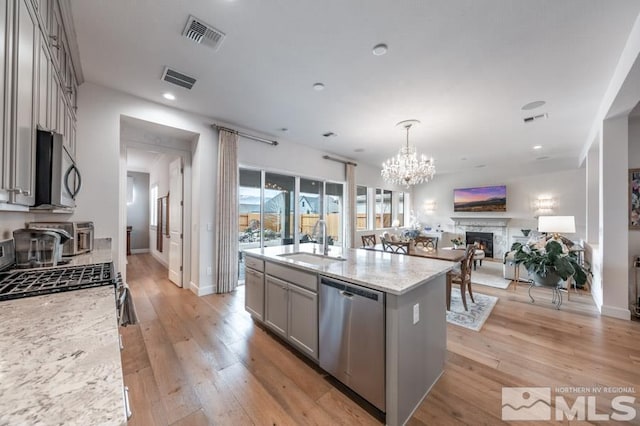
(447,253)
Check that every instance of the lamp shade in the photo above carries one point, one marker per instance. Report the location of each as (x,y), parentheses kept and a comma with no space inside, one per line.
(557,224)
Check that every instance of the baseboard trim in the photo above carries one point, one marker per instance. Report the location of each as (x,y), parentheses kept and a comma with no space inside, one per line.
(203,291)
(159,259)
(615,312)
(139,251)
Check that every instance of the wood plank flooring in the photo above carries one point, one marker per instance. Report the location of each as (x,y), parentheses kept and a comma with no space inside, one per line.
(202,361)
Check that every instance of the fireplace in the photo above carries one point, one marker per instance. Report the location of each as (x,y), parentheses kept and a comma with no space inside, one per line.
(483,240)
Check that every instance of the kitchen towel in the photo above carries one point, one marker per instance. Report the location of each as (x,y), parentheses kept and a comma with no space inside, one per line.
(126,309)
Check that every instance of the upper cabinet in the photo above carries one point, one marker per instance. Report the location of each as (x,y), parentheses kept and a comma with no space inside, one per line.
(38,89)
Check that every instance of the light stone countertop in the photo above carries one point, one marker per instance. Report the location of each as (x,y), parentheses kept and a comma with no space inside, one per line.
(101,253)
(388,272)
(60,356)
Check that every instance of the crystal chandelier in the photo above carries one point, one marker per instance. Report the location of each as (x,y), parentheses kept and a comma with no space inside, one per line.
(406,168)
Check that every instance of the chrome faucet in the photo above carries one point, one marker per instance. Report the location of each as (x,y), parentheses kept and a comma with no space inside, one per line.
(325,240)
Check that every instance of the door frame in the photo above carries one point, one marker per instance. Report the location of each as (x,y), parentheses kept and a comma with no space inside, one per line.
(187,210)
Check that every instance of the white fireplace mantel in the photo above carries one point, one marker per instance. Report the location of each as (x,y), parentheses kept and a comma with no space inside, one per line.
(480,221)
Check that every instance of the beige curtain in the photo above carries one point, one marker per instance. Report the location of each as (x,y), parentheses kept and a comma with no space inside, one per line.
(350,231)
(226,213)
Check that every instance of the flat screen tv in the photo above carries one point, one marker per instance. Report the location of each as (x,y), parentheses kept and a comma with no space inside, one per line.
(482,199)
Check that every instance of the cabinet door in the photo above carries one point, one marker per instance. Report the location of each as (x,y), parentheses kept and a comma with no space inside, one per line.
(276,304)
(254,293)
(25,85)
(303,320)
(44,80)
(5,88)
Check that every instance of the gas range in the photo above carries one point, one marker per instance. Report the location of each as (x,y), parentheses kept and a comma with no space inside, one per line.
(35,282)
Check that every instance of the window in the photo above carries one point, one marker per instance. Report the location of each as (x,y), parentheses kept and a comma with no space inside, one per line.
(400,208)
(153,202)
(279,209)
(362,219)
(310,207)
(334,212)
(250,184)
(384,210)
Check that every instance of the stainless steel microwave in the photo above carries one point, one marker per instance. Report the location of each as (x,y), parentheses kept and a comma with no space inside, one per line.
(58,179)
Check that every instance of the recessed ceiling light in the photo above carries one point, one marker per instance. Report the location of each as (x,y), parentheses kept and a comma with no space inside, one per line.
(169,96)
(532,105)
(318,87)
(380,49)
(536,147)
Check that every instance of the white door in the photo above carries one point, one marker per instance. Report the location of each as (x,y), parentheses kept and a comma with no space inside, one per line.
(175,222)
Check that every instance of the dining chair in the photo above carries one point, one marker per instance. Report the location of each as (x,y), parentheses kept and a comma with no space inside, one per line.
(368,240)
(395,246)
(462,277)
(426,242)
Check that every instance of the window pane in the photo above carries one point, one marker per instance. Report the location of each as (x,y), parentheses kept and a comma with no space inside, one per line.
(310,204)
(384,212)
(154,205)
(401,208)
(335,212)
(361,208)
(249,208)
(279,209)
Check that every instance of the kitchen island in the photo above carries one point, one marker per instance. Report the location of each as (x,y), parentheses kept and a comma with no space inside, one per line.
(414,311)
(60,358)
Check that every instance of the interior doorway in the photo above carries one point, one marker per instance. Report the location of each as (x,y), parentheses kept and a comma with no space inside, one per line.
(165,155)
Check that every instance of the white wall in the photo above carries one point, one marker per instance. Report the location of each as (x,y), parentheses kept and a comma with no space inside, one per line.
(614,230)
(634,234)
(159,174)
(98,153)
(566,187)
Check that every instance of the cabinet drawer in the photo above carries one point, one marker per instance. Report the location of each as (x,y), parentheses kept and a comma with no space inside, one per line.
(296,276)
(254,263)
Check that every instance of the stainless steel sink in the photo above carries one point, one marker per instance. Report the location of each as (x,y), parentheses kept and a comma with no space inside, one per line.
(313,259)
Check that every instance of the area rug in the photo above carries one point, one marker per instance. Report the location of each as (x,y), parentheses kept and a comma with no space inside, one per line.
(477,314)
(490,274)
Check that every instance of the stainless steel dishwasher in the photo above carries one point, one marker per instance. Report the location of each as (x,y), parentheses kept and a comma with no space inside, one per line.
(352,337)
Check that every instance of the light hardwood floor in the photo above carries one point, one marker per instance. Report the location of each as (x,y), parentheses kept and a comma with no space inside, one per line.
(199,361)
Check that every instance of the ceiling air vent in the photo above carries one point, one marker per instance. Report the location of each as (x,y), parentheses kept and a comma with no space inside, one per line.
(535,117)
(203,33)
(178,78)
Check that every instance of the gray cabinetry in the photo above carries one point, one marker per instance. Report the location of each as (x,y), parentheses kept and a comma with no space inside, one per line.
(303,320)
(276,303)
(25,46)
(254,288)
(5,89)
(291,306)
(38,89)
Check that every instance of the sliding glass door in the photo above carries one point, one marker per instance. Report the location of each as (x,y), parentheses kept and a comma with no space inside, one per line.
(279,209)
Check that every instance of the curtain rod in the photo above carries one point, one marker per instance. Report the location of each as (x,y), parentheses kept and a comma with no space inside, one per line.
(326,157)
(246,135)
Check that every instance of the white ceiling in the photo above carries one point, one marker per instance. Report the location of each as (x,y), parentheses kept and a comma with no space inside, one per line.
(462,67)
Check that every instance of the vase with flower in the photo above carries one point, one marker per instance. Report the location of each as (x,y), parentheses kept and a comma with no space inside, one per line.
(457,241)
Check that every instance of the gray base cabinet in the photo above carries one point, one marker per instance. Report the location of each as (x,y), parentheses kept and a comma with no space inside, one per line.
(254,293)
(303,320)
(276,305)
(254,287)
(291,310)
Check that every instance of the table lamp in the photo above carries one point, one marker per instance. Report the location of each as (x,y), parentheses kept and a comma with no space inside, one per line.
(556,225)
